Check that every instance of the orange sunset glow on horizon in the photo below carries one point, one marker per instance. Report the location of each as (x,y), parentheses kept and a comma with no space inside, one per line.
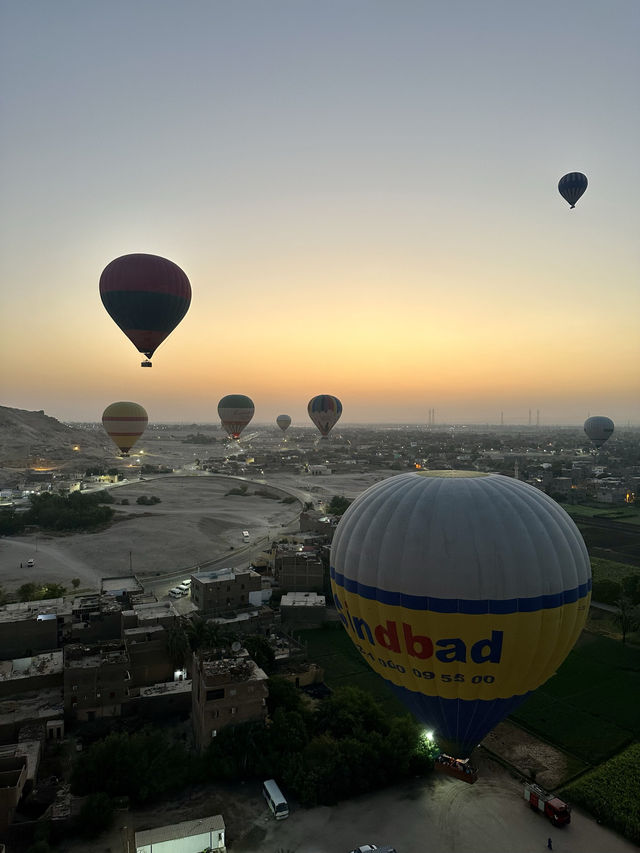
(385,227)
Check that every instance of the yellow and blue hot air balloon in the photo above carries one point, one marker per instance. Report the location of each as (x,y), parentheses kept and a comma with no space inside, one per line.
(124,423)
(465,591)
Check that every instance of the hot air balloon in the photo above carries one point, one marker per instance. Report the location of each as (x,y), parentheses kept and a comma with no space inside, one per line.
(124,423)
(325,410)
(598,429)
(572,186)
(465,591)
(284,422)
(147,296)
(235,412)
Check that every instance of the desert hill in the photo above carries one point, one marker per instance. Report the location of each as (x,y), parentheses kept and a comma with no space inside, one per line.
(33,439)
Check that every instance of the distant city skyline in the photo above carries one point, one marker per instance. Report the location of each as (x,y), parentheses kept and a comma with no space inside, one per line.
(363,195)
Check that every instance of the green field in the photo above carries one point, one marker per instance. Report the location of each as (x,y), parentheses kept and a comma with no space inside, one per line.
(629,514)
(590,707)
(612,792)
(611,570)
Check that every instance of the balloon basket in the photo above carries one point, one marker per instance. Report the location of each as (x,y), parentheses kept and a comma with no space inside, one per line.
(145,364)
(456,767)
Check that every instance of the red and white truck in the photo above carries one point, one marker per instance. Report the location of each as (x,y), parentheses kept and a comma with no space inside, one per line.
(553,807)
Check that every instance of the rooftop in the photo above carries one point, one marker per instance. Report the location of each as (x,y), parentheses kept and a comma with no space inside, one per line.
(302,599)
(35,704)
(76,655)
(44,664)
(174,831)
(166,687)
(219,575)
(125,583)
(232,669)
(22,611)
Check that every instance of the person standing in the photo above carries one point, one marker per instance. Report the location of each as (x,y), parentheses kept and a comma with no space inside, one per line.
(549,844)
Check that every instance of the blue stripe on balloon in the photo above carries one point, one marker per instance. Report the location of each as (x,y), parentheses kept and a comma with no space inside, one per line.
(461,722)
(462,605)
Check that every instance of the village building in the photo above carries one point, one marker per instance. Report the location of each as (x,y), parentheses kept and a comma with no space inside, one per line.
(225,692)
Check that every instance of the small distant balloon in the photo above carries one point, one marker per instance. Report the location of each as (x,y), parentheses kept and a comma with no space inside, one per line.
(284,422)
(572,186)
(147,296)
(325,410)
(124,422)
(598,428)
(235,411)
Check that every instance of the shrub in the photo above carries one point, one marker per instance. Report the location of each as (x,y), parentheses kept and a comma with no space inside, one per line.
(96,815)
(606,591)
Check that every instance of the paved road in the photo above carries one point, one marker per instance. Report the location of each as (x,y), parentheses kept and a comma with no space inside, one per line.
(439,814)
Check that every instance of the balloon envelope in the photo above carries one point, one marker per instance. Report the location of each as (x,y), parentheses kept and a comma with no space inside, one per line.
(284,422)
(465,591)
(598,429)
(124,423)
(572,186)
(235,411)
(147,296)
(325,410)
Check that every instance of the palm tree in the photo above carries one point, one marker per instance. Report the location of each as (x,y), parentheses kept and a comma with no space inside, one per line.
(177,645)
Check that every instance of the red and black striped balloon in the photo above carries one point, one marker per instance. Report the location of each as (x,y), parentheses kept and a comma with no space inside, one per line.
(147,296)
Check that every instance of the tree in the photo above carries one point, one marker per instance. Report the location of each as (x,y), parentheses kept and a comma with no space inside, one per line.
(261,652)
(606,591)
(54,590)
(75,583)
(96,815)
(177,645)
(203,634)
(29,591)
(10,522)
(338,505)
(631,587)
(283,694)
(627,616)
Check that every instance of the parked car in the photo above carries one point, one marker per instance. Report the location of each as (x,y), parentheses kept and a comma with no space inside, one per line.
(177,592)
(364,848)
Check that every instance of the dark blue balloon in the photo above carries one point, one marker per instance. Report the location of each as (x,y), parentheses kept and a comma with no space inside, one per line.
(572,186)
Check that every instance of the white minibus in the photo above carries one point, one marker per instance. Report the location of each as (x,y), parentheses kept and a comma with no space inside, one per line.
(275,799)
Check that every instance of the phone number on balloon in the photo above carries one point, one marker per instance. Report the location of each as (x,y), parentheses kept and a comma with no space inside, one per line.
(426,673)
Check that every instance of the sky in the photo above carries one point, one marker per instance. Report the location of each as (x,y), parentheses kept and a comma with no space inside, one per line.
(363,194)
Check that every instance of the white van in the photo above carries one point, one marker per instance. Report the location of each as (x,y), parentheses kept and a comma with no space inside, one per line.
(245,535)
(275,799)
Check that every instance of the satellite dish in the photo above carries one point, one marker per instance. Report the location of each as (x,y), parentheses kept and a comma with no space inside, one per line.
(236,646)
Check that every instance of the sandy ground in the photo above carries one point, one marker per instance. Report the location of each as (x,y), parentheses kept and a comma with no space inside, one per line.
(195,522)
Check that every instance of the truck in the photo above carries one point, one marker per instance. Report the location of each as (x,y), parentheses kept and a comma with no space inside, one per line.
(558,812)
